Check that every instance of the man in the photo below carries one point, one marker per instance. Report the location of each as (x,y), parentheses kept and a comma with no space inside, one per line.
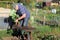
(23,13)
(24,16)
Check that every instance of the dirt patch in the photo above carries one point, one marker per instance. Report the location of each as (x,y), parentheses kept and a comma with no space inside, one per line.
(6,38)
(10,38)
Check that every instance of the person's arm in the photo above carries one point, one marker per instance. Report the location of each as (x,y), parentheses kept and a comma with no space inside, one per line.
(23,16)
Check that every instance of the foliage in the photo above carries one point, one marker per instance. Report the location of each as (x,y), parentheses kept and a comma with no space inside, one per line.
(44,30)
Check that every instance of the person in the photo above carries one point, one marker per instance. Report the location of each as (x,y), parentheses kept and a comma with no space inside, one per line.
(23,13)
(24,16)
(12,17)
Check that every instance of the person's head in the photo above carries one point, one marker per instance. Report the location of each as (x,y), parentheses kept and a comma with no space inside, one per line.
(16,7)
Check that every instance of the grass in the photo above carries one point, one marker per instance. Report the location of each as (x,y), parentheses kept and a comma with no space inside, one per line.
(3,33)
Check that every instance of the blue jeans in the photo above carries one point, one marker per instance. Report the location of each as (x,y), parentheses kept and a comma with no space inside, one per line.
(24,22)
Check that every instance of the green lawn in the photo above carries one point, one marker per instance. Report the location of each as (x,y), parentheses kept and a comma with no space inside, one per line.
(3,33)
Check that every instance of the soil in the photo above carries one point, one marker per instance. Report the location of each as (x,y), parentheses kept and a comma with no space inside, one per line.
(10,38)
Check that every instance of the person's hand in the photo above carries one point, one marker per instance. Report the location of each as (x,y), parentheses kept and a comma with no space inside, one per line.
(16,21)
